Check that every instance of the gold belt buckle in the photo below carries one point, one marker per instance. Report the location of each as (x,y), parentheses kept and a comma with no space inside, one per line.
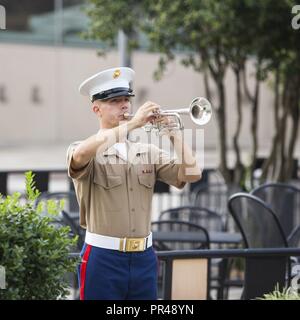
(133,244)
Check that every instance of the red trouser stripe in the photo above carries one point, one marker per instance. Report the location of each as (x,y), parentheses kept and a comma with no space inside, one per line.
(83,270)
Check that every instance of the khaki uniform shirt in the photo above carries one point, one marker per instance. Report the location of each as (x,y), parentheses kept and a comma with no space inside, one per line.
(115,194)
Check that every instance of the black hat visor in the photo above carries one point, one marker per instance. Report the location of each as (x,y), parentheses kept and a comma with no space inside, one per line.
(116,92)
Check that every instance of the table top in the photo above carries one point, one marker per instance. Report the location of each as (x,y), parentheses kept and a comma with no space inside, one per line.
(187,236)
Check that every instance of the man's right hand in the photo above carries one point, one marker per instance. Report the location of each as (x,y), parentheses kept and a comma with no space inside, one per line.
(146,113)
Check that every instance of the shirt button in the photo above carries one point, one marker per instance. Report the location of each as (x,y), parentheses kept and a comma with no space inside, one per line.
(131,189)
(132,209)
(133,230)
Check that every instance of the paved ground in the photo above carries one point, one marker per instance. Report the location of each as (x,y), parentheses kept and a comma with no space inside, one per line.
(54,157)
(34,157)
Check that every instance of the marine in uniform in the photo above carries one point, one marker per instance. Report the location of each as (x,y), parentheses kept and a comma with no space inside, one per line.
(114,180)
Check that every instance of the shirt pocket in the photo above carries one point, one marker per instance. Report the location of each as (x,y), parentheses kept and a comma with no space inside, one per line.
(146,182)
(107,181)
(109,188)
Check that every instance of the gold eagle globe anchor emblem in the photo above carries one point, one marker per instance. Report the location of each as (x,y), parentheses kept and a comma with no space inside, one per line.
(117,74)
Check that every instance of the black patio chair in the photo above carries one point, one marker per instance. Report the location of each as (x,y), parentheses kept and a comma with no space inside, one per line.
(75,228)
(69,215)
(197,215)
(69,198)
(212,196)
(211,221)
(294,241)
(294,238)
(175,226)
(209,176)
(284,199)
(258,224)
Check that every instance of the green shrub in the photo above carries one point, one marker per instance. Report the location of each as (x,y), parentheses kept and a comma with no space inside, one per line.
(284,294)
(33,250)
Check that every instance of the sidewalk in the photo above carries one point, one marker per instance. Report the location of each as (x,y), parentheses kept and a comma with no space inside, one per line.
(33,157)
(54,157)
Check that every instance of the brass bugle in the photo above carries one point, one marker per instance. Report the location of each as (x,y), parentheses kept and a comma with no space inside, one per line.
(199,110)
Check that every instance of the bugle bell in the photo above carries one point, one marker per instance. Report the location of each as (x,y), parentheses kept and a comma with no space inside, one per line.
(199,110)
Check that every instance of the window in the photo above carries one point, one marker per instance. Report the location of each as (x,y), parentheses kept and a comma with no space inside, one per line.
(50,22)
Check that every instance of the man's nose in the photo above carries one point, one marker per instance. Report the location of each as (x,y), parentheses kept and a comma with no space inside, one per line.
(125,105)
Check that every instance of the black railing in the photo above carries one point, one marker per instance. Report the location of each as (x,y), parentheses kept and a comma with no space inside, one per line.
(264,268)
(42,178)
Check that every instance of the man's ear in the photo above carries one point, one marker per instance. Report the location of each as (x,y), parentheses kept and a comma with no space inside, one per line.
(97,109)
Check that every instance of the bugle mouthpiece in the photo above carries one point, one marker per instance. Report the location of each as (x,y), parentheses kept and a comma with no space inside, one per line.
(126,115)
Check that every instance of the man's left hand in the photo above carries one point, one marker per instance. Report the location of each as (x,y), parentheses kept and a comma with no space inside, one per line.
(169,125)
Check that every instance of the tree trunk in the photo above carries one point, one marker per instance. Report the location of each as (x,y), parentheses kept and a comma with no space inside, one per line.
(239,168)
(206,85)
(217,74)
(274,149)
(293,108)
(221,113)
(292,143)
(286,100)
(254,117)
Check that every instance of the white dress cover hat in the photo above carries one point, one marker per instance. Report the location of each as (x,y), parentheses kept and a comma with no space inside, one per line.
(107,84)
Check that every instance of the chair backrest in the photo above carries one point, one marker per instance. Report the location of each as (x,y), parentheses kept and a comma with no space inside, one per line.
(69,198)
(284,199)
(180,226)
(197,215)
(256,221)
(209,176)
(73,223)
(294,238)
(69,215)
(212,196)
